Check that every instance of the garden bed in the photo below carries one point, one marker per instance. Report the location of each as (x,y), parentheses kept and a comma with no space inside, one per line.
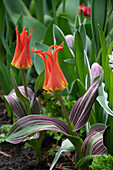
(20,158)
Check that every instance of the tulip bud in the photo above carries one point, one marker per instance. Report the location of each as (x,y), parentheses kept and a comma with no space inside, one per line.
(96,70)
(69,39)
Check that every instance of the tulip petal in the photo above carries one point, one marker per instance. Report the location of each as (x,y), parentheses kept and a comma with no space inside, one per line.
(22,58)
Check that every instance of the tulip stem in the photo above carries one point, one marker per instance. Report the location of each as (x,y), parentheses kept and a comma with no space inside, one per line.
(65,112)
(24,82)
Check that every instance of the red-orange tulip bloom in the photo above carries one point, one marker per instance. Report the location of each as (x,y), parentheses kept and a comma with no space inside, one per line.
(54,78)
(22,58)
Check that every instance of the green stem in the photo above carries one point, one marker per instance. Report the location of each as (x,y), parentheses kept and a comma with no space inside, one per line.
(36,145)
(63,6)
(24,82)
(65,112)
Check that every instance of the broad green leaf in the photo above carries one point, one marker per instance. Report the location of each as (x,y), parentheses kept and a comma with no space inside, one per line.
(98,16)
(39,81)
(64,54)
(80,61)
(66,146)
(69,7)
(17,6)
(39,29)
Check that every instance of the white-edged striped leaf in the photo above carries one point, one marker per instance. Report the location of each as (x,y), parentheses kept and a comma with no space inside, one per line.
(66,146)
(34,123)
(81,110)
(17,107)
(93,144)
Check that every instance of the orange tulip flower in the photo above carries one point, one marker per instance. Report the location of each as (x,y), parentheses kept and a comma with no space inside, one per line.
(22,58)
(54,78)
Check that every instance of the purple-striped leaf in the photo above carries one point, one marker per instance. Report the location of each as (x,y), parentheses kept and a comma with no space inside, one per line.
(34,123)
(81,110)
(18,107)
(93,144)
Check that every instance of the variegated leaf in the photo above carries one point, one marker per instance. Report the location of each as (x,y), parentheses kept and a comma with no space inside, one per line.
(18,107)
(81,111)
(34,123)
(93,144)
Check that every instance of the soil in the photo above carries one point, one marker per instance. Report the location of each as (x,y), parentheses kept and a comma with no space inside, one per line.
(16,157)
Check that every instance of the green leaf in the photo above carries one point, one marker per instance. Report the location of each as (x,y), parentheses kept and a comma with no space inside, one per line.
(66,146)
(5,80)
(48,38)
(88,70)
(104,49)
(5,44)
(39,81)
(92,55)
(69,16)
(20,96)
(83,163)
(107,75)
(64,25)
(77,89)
(98,16)
(69,7)
(39,10)
(16,7)
(79,53)
(38,28)
(83,34)
(70,61)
